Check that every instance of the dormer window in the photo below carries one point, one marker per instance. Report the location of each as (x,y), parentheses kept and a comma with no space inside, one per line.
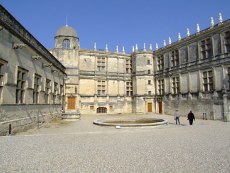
(66,44)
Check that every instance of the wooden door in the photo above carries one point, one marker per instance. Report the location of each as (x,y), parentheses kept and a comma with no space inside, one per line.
(71,103)
(150,107)
(160,107)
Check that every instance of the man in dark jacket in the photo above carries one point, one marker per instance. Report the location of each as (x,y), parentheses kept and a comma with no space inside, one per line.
(191,117)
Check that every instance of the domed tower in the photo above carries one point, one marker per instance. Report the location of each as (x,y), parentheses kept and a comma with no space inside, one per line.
(66,38)
(66,50)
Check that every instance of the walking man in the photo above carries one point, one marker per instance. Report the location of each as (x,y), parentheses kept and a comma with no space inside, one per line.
(191,117)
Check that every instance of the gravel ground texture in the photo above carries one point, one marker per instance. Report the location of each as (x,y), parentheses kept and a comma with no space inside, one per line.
(80,146)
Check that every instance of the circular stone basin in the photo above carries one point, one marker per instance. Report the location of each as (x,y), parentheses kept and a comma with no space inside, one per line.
(132,122)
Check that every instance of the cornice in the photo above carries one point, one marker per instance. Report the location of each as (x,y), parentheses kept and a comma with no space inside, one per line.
(11,24)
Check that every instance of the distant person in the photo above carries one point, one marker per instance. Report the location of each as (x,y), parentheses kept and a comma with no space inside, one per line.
(177,117)
(191,117)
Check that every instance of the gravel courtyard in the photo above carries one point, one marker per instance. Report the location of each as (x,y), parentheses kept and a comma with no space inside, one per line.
(80,146)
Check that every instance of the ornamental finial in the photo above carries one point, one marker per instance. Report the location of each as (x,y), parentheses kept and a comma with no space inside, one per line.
(188,32)
(170,41)
(212,22)
(220,18)
(197,28)
(95,46)
(136,47)
(156,46)
(150,47)
(179,36)
(106,47)
(164,43)
(123,49)
(144,47)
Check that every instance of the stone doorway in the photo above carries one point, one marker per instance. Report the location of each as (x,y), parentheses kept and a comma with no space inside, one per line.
(160,107)
(71,103)
(150,107)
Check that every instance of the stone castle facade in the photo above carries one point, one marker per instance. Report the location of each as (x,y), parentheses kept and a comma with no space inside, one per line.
(192,73)
(31,78)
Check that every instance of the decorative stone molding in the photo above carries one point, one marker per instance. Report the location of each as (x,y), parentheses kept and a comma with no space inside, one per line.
(36,57)
(19,45)
(47,65)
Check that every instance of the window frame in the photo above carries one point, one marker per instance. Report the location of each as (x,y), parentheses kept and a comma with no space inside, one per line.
(128,66)
(101,64)
(47,90)
(176,85)
(160,86)
(37,80)
(208,83)
(66,44)
(160,62)
(21,85)
(227,42)
(129,88)
(55,92)
(175,58)
(206,48)
(101,88)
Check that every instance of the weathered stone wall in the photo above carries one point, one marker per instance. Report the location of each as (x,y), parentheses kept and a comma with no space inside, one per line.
(20,50)
(213,109)
(22,117)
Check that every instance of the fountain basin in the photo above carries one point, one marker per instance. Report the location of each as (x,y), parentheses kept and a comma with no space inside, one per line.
(138,122)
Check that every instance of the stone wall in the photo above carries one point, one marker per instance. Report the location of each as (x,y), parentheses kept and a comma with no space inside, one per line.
(26,97)
(22,117)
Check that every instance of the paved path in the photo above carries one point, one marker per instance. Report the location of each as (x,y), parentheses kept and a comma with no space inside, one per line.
(80,146)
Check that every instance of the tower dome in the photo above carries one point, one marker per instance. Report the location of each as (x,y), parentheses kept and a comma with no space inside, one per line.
(66,31)
(66,38)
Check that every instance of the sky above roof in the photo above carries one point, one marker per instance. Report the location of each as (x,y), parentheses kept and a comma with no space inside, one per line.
(116,22)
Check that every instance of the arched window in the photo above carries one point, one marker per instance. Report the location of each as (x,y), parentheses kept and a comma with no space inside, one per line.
(66,44)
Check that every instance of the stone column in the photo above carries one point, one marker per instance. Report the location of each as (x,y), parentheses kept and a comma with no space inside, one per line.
(226,107)
(200,83)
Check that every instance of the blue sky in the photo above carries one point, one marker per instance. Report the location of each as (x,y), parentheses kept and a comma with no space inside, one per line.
(116,22)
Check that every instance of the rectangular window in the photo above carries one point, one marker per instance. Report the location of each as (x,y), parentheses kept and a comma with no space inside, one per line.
(174,58)
(47,90)
(128,66)
(160,62)
(101,64)
(149,82)
(20,90)
(206,48)
(1,75)
(207,80)
(228,77)
(161,86)
(37,80)
(101,87)
(55,92)
(149,71)
(129,88)
(61,93)
(1,80)
(149,93)
(175,85)
(148,62)
(227,42)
